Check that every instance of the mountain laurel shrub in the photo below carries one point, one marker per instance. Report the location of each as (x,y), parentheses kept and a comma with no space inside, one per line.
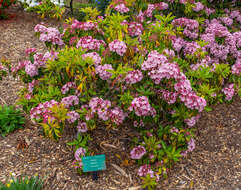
(140,66)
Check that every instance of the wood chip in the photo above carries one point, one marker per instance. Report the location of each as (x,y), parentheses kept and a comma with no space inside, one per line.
(134,188)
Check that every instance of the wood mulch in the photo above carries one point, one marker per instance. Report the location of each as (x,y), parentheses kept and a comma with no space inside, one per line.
(214,165)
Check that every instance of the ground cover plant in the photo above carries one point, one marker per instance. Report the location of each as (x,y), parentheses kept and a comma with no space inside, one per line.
(10,119)
(133,66)
(33,183)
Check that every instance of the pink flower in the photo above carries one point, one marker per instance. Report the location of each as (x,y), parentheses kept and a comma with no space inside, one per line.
(101,107)
(198,7)
(49,35)
(94,56)
(31,85)
(89,43)
(133,77)
(121,8)
(142,107)
(118,46)
(169,97)
(174,130)
(29,51)
(192,121)
(73,116)
(144,170)
(150,9)
(42,111)
(67,87)
(138,152)
(102,71)
(79,153)
(236,68)
(70,101)
(117,115)
(135,29)
(82,127)
(191,145)
(31,69)
(229,92)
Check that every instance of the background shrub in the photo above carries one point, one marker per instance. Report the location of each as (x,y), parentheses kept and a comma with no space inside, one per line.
(10,119)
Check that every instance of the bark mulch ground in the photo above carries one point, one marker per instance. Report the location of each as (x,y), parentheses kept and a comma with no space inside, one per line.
(214,165)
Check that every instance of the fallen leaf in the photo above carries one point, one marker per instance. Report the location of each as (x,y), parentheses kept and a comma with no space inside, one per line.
(120,170)
(191,184)
(125,163)
(110,146)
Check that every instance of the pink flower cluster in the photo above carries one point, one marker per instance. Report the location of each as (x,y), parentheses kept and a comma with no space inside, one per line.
(142,107)
(174,130)
(198,7)
(94,56)
(67,87)
(166,70)
(190,26)
(178,43)
(85,26)
(190,147)
(236,68)
(79,153)
(188,97)
(144,170)
(229,92)
(154,60)
(117,115)
(82,127)
(70,101)
(52,55)
(29,51)
(42,110)
(213,31)
(190,48)
(101,107)
(49,34)
(73,116)
(169,97)
(161,6)
(150,9)
(156,6)
(138,152)
(227,21)
(136,124)
(192,121)
(102,71)
(133,77)
(121,8)
(31,86)
(19,66)
(160,68)
(30,69)
(118,46)
(89,43)
(39,61)
(104,112)
(135,29)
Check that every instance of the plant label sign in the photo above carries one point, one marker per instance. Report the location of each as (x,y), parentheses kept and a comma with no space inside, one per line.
(94,163)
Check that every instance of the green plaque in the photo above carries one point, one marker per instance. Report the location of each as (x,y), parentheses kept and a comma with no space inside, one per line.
(94,163)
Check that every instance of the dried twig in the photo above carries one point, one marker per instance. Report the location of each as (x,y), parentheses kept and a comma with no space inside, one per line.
(3,100)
